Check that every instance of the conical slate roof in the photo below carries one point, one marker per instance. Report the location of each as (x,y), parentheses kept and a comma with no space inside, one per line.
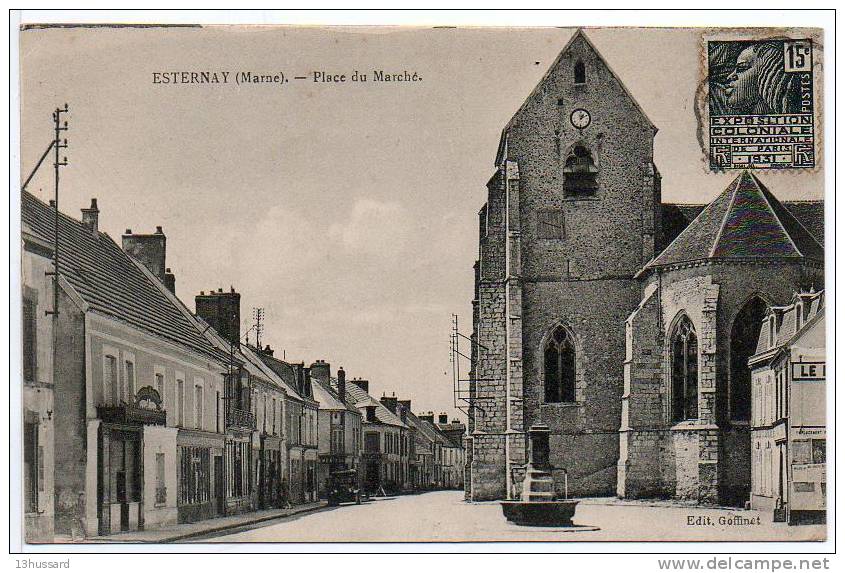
(745,222)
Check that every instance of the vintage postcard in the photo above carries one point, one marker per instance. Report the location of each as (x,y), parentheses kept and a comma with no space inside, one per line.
(415,284)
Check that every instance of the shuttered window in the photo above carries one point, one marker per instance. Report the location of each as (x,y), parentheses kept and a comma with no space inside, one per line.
(30,335)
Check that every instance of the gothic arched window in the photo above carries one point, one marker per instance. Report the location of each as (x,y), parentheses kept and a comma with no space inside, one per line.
(745,333)
(684,356)
(580,73)
(580,171)
(559,367)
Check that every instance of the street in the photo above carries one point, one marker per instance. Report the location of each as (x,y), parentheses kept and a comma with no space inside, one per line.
(445,516)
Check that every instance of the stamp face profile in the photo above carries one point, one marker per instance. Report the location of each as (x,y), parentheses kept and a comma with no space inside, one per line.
(760,104)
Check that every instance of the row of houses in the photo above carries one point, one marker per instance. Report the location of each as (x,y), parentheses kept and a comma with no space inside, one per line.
(140,413)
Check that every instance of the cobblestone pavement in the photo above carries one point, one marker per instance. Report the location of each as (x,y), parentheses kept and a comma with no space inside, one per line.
(445,516)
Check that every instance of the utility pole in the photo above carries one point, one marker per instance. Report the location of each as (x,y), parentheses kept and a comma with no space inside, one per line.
(258,316)
(58,143)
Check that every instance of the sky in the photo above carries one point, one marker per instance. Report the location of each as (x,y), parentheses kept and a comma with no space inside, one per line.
(348,211)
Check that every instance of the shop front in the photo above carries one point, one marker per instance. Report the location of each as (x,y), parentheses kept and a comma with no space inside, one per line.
(238,463)
(199,456)
(123,502)
(270,473)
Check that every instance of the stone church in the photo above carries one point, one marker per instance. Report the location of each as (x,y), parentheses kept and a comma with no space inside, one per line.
(621,322)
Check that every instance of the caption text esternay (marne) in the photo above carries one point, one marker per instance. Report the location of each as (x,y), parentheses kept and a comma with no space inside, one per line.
(280,78)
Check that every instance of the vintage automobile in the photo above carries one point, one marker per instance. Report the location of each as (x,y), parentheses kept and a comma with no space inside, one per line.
(343,486)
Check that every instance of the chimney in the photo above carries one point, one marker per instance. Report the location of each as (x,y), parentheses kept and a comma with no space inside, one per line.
(170,280)
(389,403)
(443,418)
(91,217)
(222,310)
(406,404)
(267,351)
(362,384)
(149,250)
(403,413)
(306,382)
(341,383)
(371,413)
(321,371)
(429,417)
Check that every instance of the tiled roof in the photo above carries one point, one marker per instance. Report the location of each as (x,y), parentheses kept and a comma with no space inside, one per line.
(362,400)
(425,429)
(349,399)
(260,368)
(109,281)
(745,222)
(281,369)
(675,217)
(811,215)
(329,398)
(439,436)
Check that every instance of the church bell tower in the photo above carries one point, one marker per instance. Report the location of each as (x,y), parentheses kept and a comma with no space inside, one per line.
(572,214)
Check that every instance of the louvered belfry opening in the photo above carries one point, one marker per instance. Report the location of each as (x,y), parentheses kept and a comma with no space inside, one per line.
(580,172)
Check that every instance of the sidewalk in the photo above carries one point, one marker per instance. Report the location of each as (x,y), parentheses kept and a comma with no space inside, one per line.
(185,531)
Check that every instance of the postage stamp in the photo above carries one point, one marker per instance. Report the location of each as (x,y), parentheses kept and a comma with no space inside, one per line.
(761,104)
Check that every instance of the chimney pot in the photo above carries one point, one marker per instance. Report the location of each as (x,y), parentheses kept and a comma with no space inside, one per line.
(91,216)
(149,250)
(52,202)
(170,280)
(159,231)
(363,384)
(341,383)
(222,312)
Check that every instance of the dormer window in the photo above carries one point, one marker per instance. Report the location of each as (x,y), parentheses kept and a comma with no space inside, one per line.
(580,172)
(580,73)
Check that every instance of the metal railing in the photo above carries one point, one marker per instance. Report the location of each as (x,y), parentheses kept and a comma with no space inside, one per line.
(237,418)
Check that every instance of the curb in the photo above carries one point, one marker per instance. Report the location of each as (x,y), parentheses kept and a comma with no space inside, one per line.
(211,530)
(221,528)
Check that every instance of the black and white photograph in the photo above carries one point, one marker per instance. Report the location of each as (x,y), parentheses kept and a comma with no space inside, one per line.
(291,284)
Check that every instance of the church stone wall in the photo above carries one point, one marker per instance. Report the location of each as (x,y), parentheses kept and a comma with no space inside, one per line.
(701,460)
(583,280)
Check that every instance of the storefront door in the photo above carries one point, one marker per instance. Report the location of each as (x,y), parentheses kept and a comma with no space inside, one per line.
(219,477)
